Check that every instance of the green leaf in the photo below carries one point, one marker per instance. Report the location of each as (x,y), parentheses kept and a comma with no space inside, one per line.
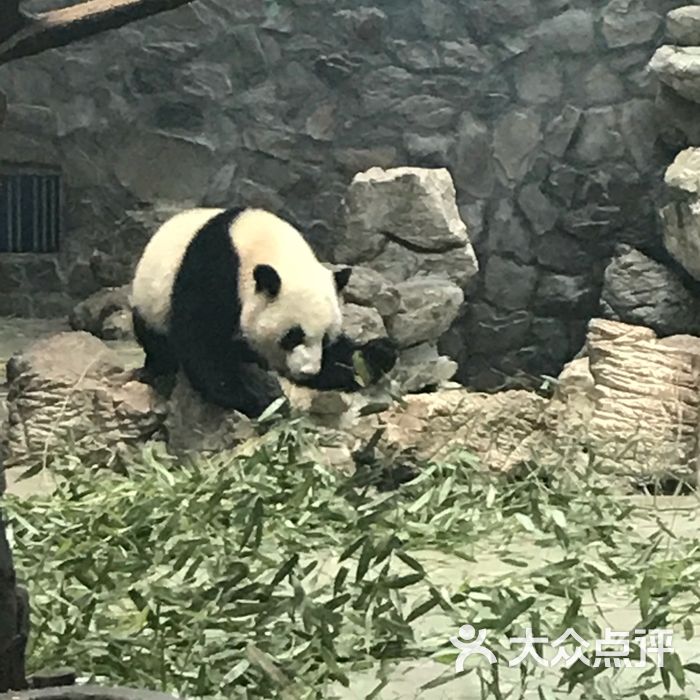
(526,522)
(254,521)
(285,570)
(688,629)
(675,667)
(422,608)
(365,559)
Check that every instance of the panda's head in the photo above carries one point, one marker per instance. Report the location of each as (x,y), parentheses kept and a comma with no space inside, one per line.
(292,314)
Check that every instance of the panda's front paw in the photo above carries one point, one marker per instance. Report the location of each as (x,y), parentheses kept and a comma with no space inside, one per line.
(380,356)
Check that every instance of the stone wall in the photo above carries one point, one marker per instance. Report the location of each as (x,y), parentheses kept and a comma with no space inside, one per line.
(543,111)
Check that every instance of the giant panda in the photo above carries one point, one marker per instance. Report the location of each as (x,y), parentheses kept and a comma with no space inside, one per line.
(222,294)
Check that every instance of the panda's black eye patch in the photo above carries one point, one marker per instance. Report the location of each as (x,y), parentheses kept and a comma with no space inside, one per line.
(293,337)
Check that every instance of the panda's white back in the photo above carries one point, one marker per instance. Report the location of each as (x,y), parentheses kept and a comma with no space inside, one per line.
(155,273)
(258,237)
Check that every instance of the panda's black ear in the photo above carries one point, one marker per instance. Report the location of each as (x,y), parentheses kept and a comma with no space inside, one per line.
(267,281)
(342,277)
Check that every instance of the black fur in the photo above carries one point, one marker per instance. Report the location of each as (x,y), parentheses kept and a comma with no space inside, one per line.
(337,367)
(267,281)
(205,338)
(160,360)
(342,277)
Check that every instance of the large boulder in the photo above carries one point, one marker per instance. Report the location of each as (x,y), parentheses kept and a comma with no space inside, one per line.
(683,26)
(681,217)
(502,430)
(679,68)
(369,288)
(646,398)
(412,212)
(69,394)
(640,291)
(413,262)
(428,307)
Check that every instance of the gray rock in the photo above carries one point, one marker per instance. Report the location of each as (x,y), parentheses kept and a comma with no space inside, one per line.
(321,123)
(398,263)
(93,315)
(600,138)
(422,368)
(562,295)
(602,86)
(429,305)
(517,14)
(683,26)
(162,160)
(69,395)
(118,326)
(677,119)
(495,330)
(509,285)
(643,292)
(679,68)
(560,252)
(384,88)
(273,142)
(464,56)
(430,151)
(360,159)
(413,206)
(570,32)
(427,111)
(367,287)
(474,172)
(639,124)
(437,17)
(30,119)
(417,55)
(368,24)
(516,139)
(508,235)
(539,81)
(561,130)
(538,209)
(681,218)
(625,23)
(362,323)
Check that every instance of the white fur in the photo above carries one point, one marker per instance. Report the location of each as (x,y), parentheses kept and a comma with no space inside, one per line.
(307,297)
(155,273)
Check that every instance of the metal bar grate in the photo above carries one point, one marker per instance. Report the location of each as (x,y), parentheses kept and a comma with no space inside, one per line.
(30,212)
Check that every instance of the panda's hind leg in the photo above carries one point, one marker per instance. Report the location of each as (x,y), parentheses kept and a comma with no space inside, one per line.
(160,362)
(221,378)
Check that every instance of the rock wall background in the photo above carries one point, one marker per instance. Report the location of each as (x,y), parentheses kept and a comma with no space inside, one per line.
(543,110)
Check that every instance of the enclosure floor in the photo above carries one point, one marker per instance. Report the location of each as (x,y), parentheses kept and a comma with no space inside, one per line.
(612,609)
(681,515)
